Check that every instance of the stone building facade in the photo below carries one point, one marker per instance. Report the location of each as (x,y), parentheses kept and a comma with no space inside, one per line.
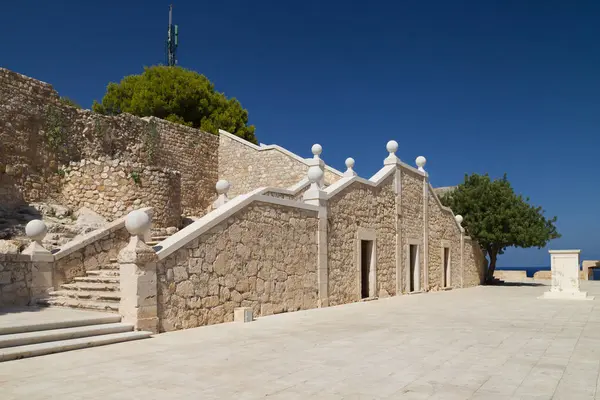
(285,233)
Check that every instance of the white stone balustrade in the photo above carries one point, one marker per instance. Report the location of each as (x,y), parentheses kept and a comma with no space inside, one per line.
(392,148)
(42,261)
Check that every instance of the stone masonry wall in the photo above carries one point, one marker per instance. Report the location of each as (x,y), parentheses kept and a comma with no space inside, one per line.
(113,188)
(39,134)
(247,168)
(15,280)
(264,257)
(361,206)
(442,231)
(474,264)
(412,219)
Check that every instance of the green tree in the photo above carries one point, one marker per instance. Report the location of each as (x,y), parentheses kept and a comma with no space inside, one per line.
(498,218)
(177,95)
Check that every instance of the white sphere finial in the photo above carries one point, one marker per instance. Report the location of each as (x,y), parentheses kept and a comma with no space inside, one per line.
(222,186)
(459,219)
(316,149)
(349,162)
(36,230)
(137,222)
(421,161)
(392,147)
(315,174)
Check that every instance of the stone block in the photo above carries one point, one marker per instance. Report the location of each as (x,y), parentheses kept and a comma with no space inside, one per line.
(242,314)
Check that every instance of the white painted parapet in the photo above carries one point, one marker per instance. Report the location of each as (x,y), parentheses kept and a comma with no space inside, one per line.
(565,276)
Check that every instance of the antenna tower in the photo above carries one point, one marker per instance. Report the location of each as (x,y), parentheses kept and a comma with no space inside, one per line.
(172,41)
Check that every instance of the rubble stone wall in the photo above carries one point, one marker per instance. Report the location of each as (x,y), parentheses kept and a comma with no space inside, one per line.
(113,188)
(474,264)
(443,232)
(248,168)
(412,219)
(39,133)
(264,257)
(15,280)
(360,206)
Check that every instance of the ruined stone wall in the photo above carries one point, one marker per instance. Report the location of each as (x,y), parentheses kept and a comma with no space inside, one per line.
(248,168)
(39,134)
(474,264)
(15,280)
(113,188)
(443,232)
(412,220)
(360,206)
(94,254)
(264,257)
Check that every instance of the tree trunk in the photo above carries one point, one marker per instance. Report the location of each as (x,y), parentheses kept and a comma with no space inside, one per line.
(492,267)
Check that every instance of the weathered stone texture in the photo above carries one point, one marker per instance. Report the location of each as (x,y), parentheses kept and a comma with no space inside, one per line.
(39,134)
(264,257)
(113,188)
(90,257)
(412,218)
(361,206)
(474,264)
(443,232)
(15,280)
(247,168)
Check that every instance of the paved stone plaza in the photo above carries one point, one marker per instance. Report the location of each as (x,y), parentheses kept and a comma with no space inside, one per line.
(477,343)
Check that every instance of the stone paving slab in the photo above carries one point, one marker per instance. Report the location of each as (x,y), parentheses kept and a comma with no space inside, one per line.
(478,343)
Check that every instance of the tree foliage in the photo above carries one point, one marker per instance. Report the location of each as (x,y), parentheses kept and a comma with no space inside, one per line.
(498,218)
(177,95)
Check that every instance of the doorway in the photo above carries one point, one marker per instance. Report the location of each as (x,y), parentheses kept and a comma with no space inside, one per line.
(366,269)
(414,268)
(446,265)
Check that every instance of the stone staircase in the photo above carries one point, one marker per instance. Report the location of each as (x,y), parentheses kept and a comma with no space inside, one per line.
(97,291)
(41,338)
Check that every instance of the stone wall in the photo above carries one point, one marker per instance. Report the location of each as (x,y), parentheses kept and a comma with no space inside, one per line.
(15,280)
(264,257)
(474,264)
(113,188)
(412,220)
(39,134)
(248,167)
(361,207)
(443,232)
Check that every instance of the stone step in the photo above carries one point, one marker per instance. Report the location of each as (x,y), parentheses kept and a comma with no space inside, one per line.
(103,272)
(101,295)
(159,238)
(66,323)
(28,338)
(108,306)
(152,243)
(15,353)
(97,279)
(94,286)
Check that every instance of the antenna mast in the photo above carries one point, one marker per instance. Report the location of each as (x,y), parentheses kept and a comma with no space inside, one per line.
(172,41)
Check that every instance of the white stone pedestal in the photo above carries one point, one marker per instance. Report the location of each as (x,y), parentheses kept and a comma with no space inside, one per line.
(565,276)
(242,314)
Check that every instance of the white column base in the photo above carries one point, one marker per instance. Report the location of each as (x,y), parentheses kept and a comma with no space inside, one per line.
(566,296)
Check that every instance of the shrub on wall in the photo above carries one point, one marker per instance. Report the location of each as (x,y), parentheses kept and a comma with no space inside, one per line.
(177,95)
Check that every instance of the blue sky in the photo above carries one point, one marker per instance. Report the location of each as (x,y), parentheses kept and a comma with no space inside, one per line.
(475,86)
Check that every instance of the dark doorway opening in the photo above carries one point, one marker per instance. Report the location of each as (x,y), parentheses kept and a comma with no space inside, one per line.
(414,269)
(446,262)
(366,261)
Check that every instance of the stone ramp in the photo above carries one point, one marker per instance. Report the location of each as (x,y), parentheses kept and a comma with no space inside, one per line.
(30,331)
